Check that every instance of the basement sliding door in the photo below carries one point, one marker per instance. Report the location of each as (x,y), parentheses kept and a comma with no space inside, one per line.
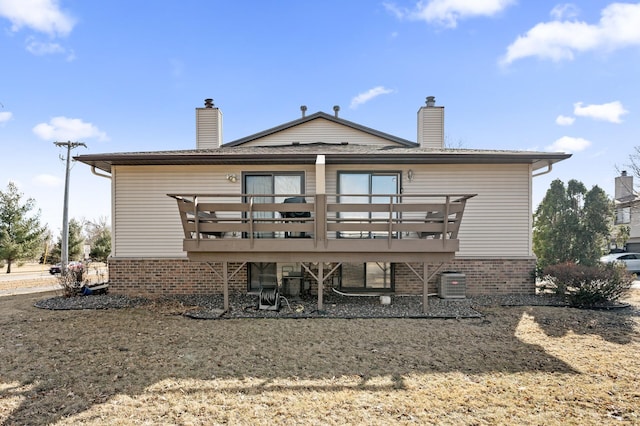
(270,185)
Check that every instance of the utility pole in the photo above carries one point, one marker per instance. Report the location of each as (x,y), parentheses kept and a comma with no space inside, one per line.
(64,248)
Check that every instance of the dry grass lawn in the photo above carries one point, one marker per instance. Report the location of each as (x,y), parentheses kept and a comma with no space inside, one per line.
(149,365)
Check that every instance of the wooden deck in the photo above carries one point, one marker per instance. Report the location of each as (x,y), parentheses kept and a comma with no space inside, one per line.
(308,228)
(256,228)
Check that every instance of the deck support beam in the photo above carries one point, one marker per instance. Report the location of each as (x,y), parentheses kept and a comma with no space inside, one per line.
(320,284)
(425,287)
(225,277)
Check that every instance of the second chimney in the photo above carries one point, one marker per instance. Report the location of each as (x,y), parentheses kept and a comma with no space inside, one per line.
(431,125)
(624,187)
(208,126)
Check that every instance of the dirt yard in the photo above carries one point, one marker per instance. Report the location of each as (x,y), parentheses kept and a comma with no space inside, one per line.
(151,365)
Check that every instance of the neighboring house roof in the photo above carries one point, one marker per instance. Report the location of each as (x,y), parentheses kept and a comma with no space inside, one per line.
(629,201)
(334,154)
(323,115)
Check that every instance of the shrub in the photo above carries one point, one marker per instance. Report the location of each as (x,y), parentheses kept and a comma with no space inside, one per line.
(71,282)
(587,286)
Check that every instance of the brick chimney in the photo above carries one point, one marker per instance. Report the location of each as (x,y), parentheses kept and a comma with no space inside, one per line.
(208,126)
(431,125)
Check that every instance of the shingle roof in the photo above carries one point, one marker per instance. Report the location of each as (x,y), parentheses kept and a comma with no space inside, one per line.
(307,153)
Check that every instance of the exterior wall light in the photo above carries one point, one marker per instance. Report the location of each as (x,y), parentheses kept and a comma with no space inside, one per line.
(410,175)
(232,178)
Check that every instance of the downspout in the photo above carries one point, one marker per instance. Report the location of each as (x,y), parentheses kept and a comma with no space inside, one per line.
(113,235)
(93,170)
(549,168)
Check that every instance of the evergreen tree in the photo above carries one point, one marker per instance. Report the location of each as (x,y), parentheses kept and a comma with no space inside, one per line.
(571,224)
(98,236)
(599,212)
(76,242)
(101,246)
(20,234)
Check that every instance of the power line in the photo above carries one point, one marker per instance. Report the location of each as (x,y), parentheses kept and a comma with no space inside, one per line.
(64,247)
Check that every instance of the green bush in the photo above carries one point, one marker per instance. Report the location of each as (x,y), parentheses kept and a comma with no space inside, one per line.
(588,286)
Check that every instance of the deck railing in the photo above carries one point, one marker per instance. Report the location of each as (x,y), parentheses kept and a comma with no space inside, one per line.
(270,222)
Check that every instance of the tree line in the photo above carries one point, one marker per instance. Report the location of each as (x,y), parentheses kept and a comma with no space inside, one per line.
(24,238)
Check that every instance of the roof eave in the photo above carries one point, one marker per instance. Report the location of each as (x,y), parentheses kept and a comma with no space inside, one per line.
(105,162)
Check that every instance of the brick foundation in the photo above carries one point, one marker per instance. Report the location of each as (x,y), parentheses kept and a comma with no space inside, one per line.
(483,276)
(158,277)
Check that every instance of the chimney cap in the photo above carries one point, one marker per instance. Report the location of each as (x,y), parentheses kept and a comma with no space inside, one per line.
(303,108)
(624,173)
(431,101)
(336,108)
(208,103)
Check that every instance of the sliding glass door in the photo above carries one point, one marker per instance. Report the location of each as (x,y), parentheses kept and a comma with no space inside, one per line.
(367,188)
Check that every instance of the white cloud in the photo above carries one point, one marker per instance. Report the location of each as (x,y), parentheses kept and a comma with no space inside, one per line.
(368,95)
(39,48)
(610,112)
(49,181)
(5,117)
(448,12)
(565,11)
(619,27)
(569,144)
(68,129)
(44,16)
(563,120)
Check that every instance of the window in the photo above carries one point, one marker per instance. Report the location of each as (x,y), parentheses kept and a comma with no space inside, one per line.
(623,215)
(367,276)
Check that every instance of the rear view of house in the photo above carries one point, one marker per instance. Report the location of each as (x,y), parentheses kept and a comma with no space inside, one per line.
(321,202)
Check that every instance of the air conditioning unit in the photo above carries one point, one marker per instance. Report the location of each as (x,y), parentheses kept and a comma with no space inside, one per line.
(452,286)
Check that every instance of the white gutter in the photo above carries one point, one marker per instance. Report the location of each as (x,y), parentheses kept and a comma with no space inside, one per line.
(549,168)
(93,170)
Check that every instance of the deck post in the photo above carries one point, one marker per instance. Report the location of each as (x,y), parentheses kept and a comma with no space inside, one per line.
(320,219)
(320,283)
(425,288)
(225,287)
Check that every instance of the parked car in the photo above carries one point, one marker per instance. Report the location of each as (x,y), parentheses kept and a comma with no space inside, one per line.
(630,260)
(72,266)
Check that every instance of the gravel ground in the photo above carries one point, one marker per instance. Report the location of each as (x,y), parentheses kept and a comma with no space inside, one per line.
(335,306)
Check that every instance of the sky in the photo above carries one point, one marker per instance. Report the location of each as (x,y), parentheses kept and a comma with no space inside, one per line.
(123,76)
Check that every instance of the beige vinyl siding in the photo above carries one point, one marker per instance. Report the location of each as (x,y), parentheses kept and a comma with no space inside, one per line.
(496,222)
(634,225)
(146,222)
(431,127)
(319,130)
(208,128)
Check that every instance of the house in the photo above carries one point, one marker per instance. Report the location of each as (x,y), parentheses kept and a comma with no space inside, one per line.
(627,205)
(321,202)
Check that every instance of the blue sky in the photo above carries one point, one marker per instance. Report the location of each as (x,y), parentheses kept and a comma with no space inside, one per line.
(127,76)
